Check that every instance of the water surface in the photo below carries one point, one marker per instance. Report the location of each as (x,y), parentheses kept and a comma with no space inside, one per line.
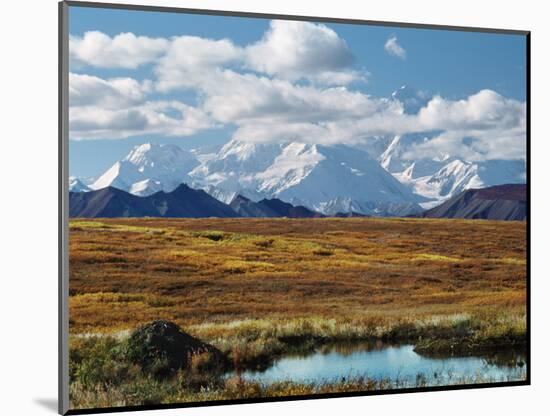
(396,363)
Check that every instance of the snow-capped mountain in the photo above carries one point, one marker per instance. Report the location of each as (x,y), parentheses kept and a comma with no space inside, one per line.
(411,99)
(395,157)
(325,179)
(330,180)
(451,179)
(77,185)
(438,179)
(149,168)
(380,176)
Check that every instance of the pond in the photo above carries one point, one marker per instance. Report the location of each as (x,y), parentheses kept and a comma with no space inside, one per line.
(399,364)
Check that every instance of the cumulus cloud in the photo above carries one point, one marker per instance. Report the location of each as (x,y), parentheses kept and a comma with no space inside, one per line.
(474,146)
(302,50)
(86,90)
(125,50)
(483,126)
(190,61)
(393,48)
(292,84)
(288,51)
(170,118)
(243,98)
(483,110)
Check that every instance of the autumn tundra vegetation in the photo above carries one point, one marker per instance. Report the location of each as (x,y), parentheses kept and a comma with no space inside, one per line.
(248,291)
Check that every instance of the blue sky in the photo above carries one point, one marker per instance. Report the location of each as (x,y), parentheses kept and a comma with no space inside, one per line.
(453,65)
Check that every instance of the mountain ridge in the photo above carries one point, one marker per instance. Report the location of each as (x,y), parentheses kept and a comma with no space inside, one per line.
(502,202)
(182,202)
(378,176)
(149,168)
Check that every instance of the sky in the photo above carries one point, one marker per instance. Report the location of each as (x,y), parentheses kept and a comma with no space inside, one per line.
(197,80)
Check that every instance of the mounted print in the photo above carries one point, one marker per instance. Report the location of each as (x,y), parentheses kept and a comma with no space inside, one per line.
(263,207)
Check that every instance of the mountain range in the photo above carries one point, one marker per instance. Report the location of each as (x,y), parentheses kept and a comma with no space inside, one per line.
(379,177)
(503,202)
(182,202)
(270,208)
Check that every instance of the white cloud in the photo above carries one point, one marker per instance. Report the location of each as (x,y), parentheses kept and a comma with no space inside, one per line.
(125,50)
(288,51)
(190,61)
(170,118)
(232,97)
(393,48)
(484,126)
(473,145)
(485,109)
(302,50)
(259,90)
(86,90)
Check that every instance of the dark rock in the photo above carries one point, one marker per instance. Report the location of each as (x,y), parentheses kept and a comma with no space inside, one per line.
(161,348)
